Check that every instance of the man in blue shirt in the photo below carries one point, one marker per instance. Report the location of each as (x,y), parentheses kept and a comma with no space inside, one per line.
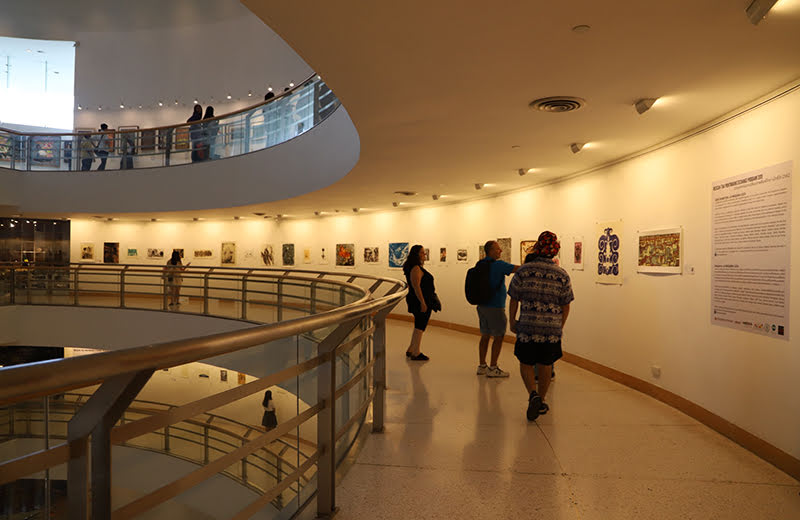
(492,314)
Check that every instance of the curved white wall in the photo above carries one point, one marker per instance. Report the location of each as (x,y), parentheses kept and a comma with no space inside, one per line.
(310,161)
(745,378)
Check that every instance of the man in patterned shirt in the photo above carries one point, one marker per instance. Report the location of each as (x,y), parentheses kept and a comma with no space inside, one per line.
(542,290)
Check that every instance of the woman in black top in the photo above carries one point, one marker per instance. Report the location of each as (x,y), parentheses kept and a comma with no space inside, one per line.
(269,420)
(421,299)
(196,134)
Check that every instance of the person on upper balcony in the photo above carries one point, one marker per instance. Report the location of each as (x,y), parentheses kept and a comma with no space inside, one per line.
(210,131)
(103,146)
(196,134)
(86,152)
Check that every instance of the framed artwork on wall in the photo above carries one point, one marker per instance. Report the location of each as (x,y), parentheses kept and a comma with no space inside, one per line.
(287,254)
(110,252)
(147,140)
(577,253)
(505,245)
(87,250)
(371,255)
(154,253)
(45,150)
(268,255)
(203,253)
(228,253)
(182,138)
(345,255)
(132,251)
(398,251)
(525,248)
(324,256)
(661,251)
(608,260)
(462,255)
(307,255)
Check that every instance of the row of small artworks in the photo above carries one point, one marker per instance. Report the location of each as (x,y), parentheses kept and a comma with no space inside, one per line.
(344,254)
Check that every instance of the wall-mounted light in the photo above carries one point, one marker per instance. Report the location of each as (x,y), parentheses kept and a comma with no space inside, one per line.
(644,104)
(758,10)
(479,185)
(576,147)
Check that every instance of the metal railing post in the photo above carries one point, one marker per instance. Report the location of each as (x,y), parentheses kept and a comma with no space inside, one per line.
(244,294)
(30,280)
(379,371)
(76,286)
(28,148)
(13,277)
(166,438)
(280,298)
(205,291)
(122,286)
(326,420)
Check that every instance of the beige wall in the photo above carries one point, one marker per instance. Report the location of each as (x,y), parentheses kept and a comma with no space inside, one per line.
(747,379)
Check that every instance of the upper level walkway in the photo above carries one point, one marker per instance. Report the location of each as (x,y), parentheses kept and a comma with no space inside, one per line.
(457,445)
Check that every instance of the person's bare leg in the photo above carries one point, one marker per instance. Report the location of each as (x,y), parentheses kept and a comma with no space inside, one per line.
(497,346)
(545,371)
(483,348)
(528,377)
(416,341)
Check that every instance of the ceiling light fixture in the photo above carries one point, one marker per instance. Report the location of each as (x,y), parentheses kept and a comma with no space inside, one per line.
(406,193)
(80,107)
(356,210)
(161,103)
(196,219)
(258,214)
(291,84)
(229,96)
(269,89)
(153,220)
(479,185)
(317,213)
(236,218)
(176,101)
(122,105)
(435,197)
(395,204)
(576,147)
(644,104)
(196,102)
(100,108)
(758,10)
(580,29)
(521,172)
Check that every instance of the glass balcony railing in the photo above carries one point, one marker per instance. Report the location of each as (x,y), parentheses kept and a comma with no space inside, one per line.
(268,124)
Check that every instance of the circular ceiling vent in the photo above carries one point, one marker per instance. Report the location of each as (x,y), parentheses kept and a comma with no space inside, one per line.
(557,104)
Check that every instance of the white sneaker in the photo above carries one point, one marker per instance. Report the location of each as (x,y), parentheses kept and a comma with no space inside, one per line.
(496,372)
(482,370)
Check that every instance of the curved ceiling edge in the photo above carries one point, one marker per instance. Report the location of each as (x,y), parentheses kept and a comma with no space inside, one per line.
(309,162)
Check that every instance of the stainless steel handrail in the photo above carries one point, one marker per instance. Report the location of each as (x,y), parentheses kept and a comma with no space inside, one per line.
(124,373)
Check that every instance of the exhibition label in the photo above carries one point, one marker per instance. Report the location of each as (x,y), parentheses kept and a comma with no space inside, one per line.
(751,257)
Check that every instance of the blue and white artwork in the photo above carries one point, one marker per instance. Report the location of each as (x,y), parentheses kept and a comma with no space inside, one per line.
(609,255)
(398,252)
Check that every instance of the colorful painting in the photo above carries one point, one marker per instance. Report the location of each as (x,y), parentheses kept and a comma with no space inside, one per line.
(660,251)
(371,255)
(268,255)
(228,256)
(6,147)
(323,257)
(481,251)
(45,150)
(461,255)
(288,254)
(427,252)
(505,245)
(87,251)
(132,251)
(110,252)
(525,248)
(307,255)
(398,251)
(609,254)
(182,138)
(442,255)
(577,253)
(203,253)
(155,253)
(346,255)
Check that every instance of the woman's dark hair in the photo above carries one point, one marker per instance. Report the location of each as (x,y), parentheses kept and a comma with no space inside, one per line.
(268,96)
(267,398)
(176,258)
(197,111)
(209,112)
(412,259)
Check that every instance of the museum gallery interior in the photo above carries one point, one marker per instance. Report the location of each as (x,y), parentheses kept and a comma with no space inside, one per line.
(205,211)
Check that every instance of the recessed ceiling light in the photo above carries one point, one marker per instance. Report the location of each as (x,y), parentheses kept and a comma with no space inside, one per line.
(229,96)
(580,29)
(161,103)
(291,84)
(258,214)
(406,193)
(515,147)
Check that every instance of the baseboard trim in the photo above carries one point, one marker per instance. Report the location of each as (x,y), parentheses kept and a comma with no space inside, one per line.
(772,454)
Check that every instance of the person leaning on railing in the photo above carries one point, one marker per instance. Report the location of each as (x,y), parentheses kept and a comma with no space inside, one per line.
(86,146)
(103,147)
(173,273)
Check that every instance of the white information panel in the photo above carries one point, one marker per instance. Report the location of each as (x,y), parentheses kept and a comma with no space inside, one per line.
(751,257)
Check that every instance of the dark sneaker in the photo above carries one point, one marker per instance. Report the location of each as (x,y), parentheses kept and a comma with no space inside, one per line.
(419,357)
(544,409)
(534,406)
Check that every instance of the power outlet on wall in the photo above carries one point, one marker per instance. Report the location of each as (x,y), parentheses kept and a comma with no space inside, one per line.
(655,370)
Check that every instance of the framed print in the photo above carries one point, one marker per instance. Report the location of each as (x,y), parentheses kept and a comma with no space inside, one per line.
(661,251)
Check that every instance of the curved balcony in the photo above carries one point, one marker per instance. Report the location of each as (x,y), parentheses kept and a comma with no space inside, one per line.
(255,128)
(274,150)
(326,347)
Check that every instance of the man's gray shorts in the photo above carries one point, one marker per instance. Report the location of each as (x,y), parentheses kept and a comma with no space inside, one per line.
(492,321)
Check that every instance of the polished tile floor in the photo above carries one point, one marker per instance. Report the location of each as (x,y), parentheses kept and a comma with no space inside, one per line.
(458,445)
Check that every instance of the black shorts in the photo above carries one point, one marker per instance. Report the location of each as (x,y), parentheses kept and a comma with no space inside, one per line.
(421,319)
(532,353)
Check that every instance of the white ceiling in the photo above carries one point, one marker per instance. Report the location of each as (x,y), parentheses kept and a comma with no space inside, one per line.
(439,91)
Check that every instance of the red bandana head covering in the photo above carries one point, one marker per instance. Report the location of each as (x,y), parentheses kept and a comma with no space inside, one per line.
(547,245)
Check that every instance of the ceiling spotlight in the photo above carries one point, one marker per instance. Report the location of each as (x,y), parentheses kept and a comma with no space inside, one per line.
(758,10)
(140,106)
(521,172)
(195,219)
(229,96)
(269,89)
(317,213)
(110,219)
(176,101)
(395,204)
(291,84)
(122,105)
(644,104)
(196,102)
(258,214)
(479,185)
(100,108)
(80,107)
(161,103)
(576,147)
(356,210)
(153,220)
(278,216)
(435,197)
(406,193)
(236,218)
(249,93)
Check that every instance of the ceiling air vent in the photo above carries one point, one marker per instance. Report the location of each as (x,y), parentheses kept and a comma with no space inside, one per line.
(557,104)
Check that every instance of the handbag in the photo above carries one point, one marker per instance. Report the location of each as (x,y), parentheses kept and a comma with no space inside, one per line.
(436,303)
